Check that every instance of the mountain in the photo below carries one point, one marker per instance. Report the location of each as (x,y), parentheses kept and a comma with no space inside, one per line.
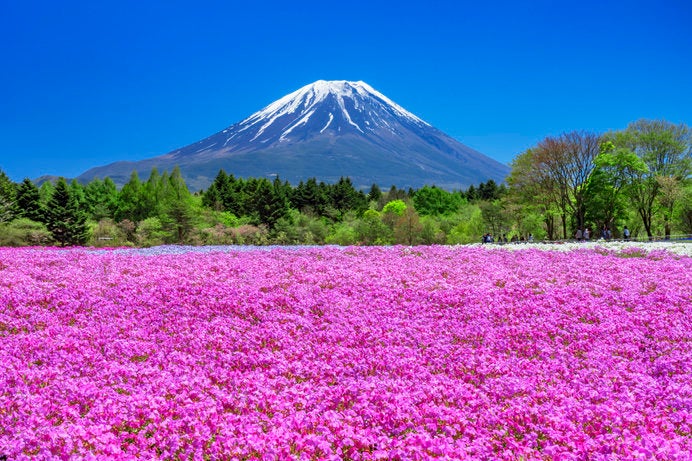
(326,130)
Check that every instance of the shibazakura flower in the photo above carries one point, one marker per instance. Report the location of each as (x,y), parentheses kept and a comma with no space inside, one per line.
(346,353)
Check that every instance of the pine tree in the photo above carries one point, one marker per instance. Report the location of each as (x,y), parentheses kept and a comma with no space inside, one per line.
(28,204)
(100,198)
(7,198)
(65,221)
(375,193)
(131,204)
(176,204)
(271,202)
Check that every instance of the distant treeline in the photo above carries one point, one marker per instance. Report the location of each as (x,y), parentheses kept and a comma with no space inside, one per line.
(639,177)
(232,210)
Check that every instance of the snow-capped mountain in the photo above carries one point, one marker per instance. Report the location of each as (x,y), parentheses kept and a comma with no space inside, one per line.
(326,130)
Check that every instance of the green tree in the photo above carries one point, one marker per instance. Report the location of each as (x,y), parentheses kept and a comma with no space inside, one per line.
(431,200)
(28,204)
(65,220)
(100,199)
(568,161)
(607,187)
(407,229)
(176,207)
(370,230)
(131,204)
(375,193)
(7,198)
(493,216)
(344,197)
(530,192)
(666,149)
(271,203)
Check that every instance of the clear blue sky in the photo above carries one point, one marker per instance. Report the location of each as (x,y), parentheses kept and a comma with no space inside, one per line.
(86,83)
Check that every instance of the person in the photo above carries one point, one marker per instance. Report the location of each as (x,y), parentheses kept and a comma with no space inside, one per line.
(586,233)
(626,233)
(530,238)
(578,234)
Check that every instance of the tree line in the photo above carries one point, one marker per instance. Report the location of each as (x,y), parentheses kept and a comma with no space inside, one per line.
(638,177)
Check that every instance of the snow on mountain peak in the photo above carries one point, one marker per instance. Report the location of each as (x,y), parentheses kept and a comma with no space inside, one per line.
(302,104)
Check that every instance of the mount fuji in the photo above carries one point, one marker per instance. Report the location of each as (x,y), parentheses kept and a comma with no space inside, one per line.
(326,130)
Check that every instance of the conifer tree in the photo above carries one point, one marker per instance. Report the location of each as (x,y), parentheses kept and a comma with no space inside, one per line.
(271,202)
(176,204)
(28,204)
(7,198)
(100,198)
(131,204)
(65,220)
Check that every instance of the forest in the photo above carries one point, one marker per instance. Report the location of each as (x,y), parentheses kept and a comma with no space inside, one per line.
(638,177)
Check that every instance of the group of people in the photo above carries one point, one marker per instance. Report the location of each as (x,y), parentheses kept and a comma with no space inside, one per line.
(606,233)
(488,238)
(580,235)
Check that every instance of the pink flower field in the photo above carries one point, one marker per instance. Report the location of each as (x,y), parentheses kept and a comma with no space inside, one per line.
(345,354)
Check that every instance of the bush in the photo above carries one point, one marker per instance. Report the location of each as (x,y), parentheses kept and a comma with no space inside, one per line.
(24,232)
(150,232)
(342,234)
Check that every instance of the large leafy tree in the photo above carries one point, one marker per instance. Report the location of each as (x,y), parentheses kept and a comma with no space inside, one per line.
(607,188)
(431,200)
(568,160)
(65,220)
(665,149)
(532,192)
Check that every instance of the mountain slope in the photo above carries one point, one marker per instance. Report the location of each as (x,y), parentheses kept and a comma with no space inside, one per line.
(326,130)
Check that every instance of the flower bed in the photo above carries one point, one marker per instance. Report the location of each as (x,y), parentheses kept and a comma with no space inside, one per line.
(351,353)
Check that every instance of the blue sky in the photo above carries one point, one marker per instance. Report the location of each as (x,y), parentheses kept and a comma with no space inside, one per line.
(86,83)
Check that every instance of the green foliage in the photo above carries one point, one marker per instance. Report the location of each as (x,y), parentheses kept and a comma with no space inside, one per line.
(100,199)
(300,229)
(395,207)
(342,233)
(666,150)
(470,226)
(344,197)
(24,232)
(431,200)
(370,230)
(28,202)
(106,233)
(131,204)
(375,193)
(407,228)
(7,198)
(64,219)
(151,232)
(431,232)
(494,216)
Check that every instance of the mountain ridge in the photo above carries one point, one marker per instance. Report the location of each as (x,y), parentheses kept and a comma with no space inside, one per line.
(327,129)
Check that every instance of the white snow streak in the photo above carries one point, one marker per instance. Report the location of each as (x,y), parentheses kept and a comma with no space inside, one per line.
(331,117)
(302,121)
